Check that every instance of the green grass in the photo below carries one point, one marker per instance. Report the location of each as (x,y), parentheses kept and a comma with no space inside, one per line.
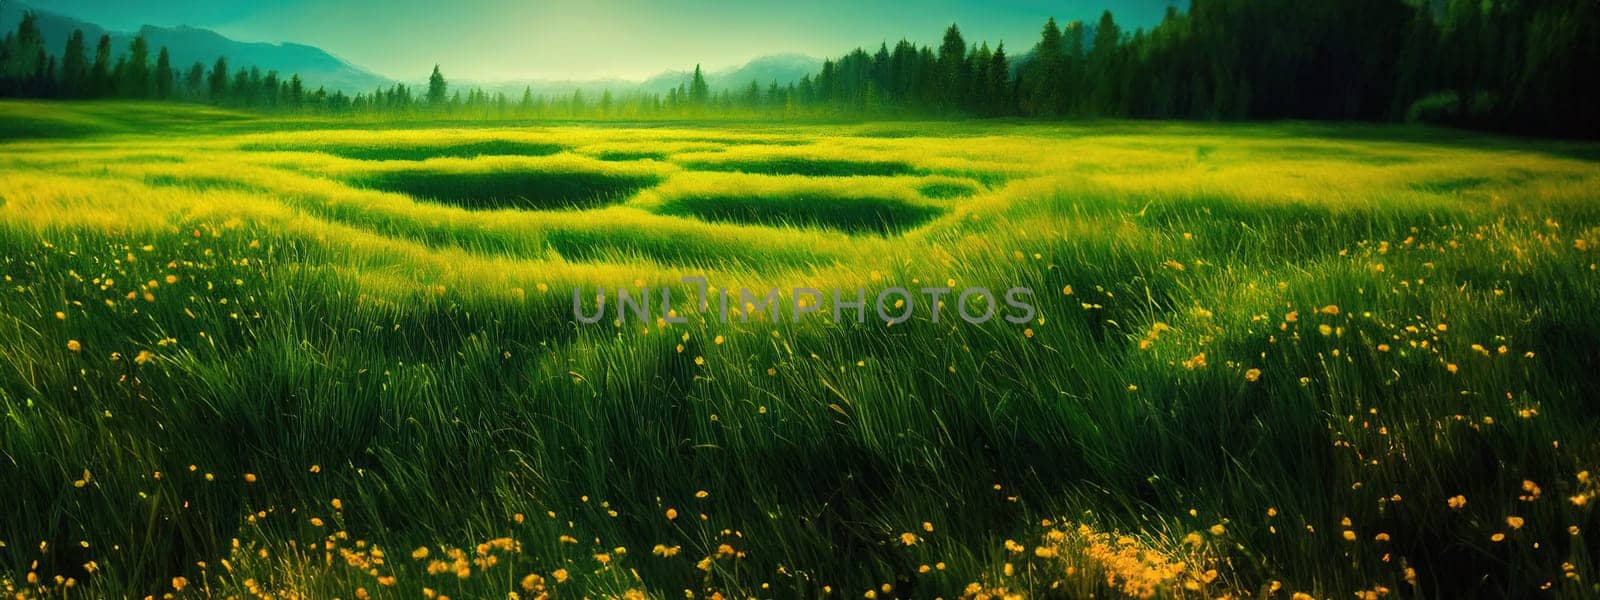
(34,119)
(1266,357)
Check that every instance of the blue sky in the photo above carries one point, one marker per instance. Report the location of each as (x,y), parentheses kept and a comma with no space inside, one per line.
(509,39)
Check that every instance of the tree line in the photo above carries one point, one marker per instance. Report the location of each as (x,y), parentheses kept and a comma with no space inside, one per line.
(28,70)
(1508,64)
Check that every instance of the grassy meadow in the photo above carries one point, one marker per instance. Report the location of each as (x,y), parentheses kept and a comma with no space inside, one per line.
(246,356)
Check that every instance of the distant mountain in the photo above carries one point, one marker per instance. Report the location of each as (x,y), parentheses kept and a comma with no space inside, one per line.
(319,68)
(782,68)
(56,28)
(315,66)
(188,45)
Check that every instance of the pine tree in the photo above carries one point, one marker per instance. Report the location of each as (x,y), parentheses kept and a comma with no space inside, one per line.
(1102,66)
(194,83)
(436,88)
(135,80)
(881,74)
(1072,87)
(998,87)
(163,75)
(26,54)
(217,85)
(248,80)
(38,83)
(101,84)
(978,99)
(75,67)
(952,66)
(241,91)
(699,92)
(46,80)
(118,75)
(269,89)
(297,91)
(1044,73)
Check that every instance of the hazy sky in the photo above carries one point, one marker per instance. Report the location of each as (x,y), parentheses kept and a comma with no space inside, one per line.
(506,39)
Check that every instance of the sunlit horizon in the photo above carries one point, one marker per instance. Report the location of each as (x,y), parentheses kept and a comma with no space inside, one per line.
(501,40)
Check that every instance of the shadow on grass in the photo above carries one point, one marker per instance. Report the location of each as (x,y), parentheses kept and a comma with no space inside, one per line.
(1450,185)
(946,190)
(804,166)
(1439,136)
(461,150)
(882,216)
(622,155)
(533,190)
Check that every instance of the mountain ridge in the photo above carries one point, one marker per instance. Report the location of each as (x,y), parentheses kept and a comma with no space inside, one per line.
(783,68)
(318,67)
(187,45)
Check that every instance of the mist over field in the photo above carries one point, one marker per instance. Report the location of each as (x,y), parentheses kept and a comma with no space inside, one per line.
(1239,299)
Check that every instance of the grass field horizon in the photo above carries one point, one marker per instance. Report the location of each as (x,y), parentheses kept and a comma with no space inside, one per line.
(285,356)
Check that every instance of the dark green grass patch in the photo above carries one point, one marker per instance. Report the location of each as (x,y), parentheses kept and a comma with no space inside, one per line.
(1451,185)
(21,127)
(744,141)
(623,155)
(882,216)
(1461,184)
(36,119)
(805,166)
(535,190)
(947,189)
(623,245)
(461,150)
(1338,153)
